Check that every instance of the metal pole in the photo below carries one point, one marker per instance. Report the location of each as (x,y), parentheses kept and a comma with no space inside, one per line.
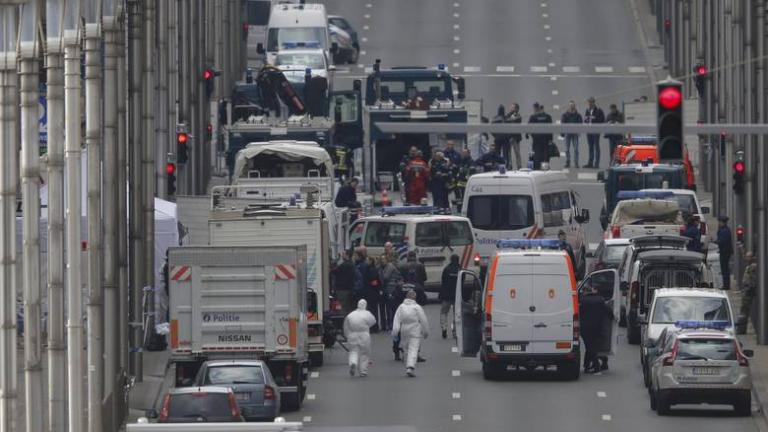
(137,225)
(173,58)
(57,366)
(75,347)
(122,198)
(148,162)
(762,182)
(112,218)
(161,124)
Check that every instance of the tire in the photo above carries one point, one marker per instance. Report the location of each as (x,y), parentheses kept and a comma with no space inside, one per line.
(569,371)
(316,359)
(491,372)
(652,397)
(292,401)
(646,377)
(743,405)
(662,403)
(623,318)
(633,335)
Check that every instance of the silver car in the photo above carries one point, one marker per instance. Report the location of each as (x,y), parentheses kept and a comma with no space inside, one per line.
(701,366)
(255,389)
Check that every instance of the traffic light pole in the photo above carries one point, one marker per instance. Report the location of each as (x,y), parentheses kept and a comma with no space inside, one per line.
(762,185)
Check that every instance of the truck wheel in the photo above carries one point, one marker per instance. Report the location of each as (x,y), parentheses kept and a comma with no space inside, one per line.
(491,372)
(316,359)
(293,401)
(633,335)
(569,371)
(743,406)
(652,397)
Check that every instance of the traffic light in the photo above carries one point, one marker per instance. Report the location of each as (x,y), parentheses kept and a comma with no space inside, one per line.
(209,131)
(740,234)
(181,146)
(700,74)
(738,176)
(208,76)
(170,170)
(670,120)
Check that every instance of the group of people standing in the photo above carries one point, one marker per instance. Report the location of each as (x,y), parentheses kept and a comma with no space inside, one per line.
(447,171)
(592,115)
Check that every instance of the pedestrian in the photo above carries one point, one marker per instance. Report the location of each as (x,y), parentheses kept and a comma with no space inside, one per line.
(541,141)
(357,332)
(389,253)
(501,140)
(373,291)
(361,272)
(412,152)
(571,116)
(347,195)
(514,139)
(725,250)
(749,292)
(450,153)
(391,283)
(693,232)
(564,245)
(592,313)
(416,178)
(344,281)
(593,115)
(462,171)
(415,273)
(411,326)
(447,295)
(440,174)
(491,160)
(614,117)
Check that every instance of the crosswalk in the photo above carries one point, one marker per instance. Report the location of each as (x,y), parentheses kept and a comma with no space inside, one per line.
(531,69)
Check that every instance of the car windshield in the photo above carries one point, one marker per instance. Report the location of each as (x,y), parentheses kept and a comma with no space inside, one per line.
(614,253)
(668,310)
(310,60)
(687,204)
(712,349)
(220,375)
(278,37)
(202,404)
(501,212)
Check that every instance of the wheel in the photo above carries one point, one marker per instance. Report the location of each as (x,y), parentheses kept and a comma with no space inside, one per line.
(491,372)
(292,401)
(316,358)
(743,405)
(646,377)
(652,397)
(623,317)
(569,371)
(354,56)
(662,403)
(633,335)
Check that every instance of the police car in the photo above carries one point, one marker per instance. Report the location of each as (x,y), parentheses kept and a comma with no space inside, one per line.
(434,237)
(294,62)
(701,363)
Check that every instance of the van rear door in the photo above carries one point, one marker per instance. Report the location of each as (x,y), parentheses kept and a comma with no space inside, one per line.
(511,300)
(469,313)
(607,284)
(552,300)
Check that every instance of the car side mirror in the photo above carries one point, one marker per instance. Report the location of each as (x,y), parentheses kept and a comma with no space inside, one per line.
(260,48)
(151,414)
(584,215)
(460,88)
(748,353)
(705,210)
(334,48)
(601,176)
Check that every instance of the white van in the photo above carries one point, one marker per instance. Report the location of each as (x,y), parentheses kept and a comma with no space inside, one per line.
(433,237)
(527,315)
(524,204)
(297,25)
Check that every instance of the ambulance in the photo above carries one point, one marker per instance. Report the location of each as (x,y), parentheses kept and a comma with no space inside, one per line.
(526,316)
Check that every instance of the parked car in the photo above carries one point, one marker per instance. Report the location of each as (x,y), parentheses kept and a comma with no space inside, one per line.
(255,389)
(347,51)
(199,404)
(343,23)
(701,366)
(608,254)
(689,203)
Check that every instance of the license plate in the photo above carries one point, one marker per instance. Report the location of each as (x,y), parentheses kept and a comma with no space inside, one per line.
(242,396)
(706,371)
(513,348)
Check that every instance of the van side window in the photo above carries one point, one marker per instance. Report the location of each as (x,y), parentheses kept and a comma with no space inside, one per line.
(429,234)
(379,233)
(458,233)
(556,208)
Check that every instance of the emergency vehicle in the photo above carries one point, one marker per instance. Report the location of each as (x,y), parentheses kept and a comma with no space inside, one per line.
(434,237)
(644,148)
(527,313)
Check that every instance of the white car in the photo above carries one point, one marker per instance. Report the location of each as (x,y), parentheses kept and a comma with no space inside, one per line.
(689,203)
(295,62)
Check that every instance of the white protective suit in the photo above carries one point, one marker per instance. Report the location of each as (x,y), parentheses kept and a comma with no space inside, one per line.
(412,325)
(357,327)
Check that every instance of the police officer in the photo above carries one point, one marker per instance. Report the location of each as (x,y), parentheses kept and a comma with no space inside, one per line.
(725,247)
(564,245)
(491,160)
(462,171)
(447,295)
(592,312)
(592,115)
(440,174)
(693,232)
(614,117)
(540,141)
(749,292)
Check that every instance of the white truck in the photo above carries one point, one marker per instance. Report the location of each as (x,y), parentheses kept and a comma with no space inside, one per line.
(241,303)
(267,226)
(645,215)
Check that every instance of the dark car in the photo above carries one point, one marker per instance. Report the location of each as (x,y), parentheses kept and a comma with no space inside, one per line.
(342,23)
(251,381)
(608,254)
(200,404)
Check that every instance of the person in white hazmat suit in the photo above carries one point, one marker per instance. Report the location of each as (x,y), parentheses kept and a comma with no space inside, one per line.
(411,326)
(357,327)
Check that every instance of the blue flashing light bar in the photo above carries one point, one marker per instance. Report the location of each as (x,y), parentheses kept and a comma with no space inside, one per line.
(441,66)
(294,45)
(698,324)
(407,210)
(644,194)
(528,244)
(643,139)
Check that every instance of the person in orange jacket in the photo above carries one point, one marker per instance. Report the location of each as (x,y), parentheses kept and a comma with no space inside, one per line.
(416,179)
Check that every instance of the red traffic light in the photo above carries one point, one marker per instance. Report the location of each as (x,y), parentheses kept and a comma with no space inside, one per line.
(209,128)
(207,74)
(739,167)
(182,137)
(701,70)
(170,168)
(670,98)
(740,231)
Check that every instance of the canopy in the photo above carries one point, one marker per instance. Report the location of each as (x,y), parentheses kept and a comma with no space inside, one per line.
(647,211)
(288,150)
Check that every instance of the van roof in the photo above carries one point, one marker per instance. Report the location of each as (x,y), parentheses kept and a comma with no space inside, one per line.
(415,217)
(296,15)
(546,253)
(521,174)
(671,256)
(689,292)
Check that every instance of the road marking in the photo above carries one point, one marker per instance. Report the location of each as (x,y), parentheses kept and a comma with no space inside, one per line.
(456,26)
(636,69)
(606,417)
(455,349)
(598,184)
(342,70)
(456,38)
(548,38)
(538,68)
(314,375)
(566,170)
(549,50)
(311,396)
(505,68)
(551,64)
(368,69)
(546,27)
(456,417)
(307,419)
(366,27)
(455,5)
(362,52)
(456,15)
(562,154)
(587,176)
(554,78)
(456,395)
(598,374)
(456,51)
(604,69)
(368,5)
(472,69)
(543,5)
(555,92)
(456,65)
(571,69)
(367,16)
(557,121)
(365,39)
(600,394)
(456,373)
(545,15)
(556,108)
(593,246)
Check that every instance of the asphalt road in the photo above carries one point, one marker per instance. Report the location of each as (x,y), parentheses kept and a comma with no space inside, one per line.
(449,394)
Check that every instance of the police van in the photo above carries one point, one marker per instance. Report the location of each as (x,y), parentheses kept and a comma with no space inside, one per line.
(527,314)
(524,204)
(297,25)
(434,237)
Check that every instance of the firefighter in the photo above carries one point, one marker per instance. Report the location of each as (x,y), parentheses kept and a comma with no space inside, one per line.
(416,178)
